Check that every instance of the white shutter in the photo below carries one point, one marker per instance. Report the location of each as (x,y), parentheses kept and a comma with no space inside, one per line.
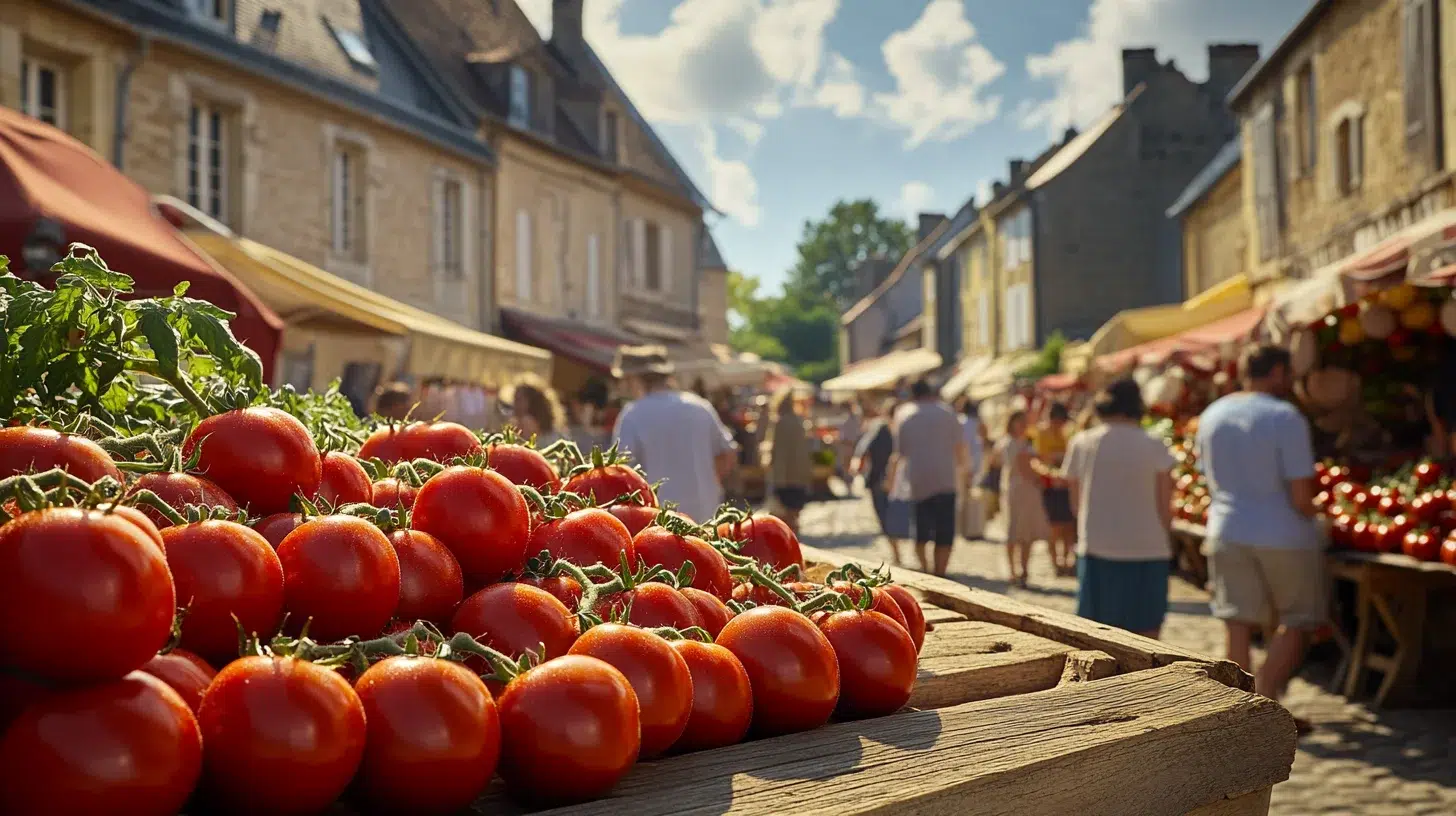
(1008,330)
(983,315)
(1357,151)
(439,252)
(639,252)
(523,255)
(593,276)
(341,200)
(664,259)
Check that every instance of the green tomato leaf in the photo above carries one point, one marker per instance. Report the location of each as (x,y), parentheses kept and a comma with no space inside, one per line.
(208,325)
(181,289)
(155,324)
(85,262)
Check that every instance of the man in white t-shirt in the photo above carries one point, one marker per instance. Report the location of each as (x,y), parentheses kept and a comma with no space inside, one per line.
(674,435)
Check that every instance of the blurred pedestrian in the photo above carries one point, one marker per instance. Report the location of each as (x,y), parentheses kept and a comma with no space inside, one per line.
(850,431)
(1120,480)
(931,454)
(872,461)
(1021,497)
(790,467)
(536,412)
(675,436)
(1049,442)
(973,432)
(394,401)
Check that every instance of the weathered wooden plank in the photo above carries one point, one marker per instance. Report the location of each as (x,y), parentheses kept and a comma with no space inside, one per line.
(1163,741)
(1084,667)
(1132,652)
(935,615)
(970,660)
(1250,804)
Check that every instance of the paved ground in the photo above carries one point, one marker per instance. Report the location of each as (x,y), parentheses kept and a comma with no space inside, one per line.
(1357,761)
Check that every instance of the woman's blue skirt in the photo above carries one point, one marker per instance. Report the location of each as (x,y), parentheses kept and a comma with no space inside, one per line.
(1131,595)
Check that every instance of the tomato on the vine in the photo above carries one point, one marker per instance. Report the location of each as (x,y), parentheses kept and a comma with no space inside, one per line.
(390,493)
(570,729)
(437,441)
(74,576)
(480,516)
(433,736)
(658,675)
(585,537)
(722,697)
(1427,474)
(791,667)
(523,466)
(712,613)
(180,490)
(430,583)
(637,517)
(910,608)
(660,547)
(563,588)
(340,577)
(877,663)
(276,527)
(615,483)
(344,480)
(184,672)
(880,601)
(649,604)
(227,576)
(283,736)
(517,619)
(1422,545)
(766,539)
(27,449)
(261,456)
(1448,550)
(125,746)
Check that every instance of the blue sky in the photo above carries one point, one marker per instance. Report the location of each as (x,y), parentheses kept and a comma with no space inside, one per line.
(779,107)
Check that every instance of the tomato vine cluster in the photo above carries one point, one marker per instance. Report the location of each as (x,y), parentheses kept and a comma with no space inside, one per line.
(253,608)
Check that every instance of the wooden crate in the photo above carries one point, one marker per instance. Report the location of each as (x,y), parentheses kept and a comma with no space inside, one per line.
(1017,710)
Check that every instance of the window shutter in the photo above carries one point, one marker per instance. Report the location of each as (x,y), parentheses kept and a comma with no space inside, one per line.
(593,276)
(1265,182)
(983,314)
(664,258)
(1422,86)
(523,255)
(639,252)
(439,253)
(1357,151)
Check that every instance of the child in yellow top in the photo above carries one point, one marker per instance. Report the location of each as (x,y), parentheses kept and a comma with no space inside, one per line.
(1049,441)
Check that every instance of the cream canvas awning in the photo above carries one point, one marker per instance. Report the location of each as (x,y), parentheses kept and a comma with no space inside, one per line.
(999,375)
(1134,327)
(965,374)
(883,372)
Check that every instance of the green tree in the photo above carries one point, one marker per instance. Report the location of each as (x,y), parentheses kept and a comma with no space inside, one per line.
(832,248)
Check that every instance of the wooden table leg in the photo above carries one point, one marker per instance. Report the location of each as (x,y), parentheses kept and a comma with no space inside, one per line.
(1402,606)
(1360,649)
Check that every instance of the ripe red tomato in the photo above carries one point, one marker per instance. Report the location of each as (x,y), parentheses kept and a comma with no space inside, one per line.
(1427,474)
(877,663)
(180,490)
(430,583)
(611,483)
(480,516)
(1362,537)
(637,517)
(745,593)
(127,746)
(791,667)
(516,619)
(283,736)
(24,449)
(433,736)
(658,675)
(1380,534)
(650,604)
(722,697)
(1324,499)
(88,578)
(1448,550)
(227,576)
(767,539)
(391,493)
(660,547)
(570,730)
(585,537)
(1388,505)
(261,456)
(523,466)
(340,573)
(186,673)
(1422,545)
(910,608)
(276,527)
(712,613)
(563,588)
(437,441)
(880,601)
(344,480)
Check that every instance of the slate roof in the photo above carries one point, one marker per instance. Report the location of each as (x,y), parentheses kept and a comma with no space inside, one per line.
(1223,163)
(708,255)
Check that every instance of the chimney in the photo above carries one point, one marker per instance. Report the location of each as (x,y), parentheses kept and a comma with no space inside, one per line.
(997,188)
(928,223)
(1138,65)
(1227,64)
(566,21)
(1069,135)
(1017,168)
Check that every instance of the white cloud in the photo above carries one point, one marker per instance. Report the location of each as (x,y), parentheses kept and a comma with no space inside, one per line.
(731,184)
(748,130)
(941,75)
(539,13)
(1085,72)
(915,197)
(840,91)
(983,192)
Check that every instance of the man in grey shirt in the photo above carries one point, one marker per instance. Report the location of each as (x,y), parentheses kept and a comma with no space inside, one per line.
(930,446)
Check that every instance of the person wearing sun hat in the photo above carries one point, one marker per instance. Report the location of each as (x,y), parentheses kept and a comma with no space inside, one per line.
(674,435)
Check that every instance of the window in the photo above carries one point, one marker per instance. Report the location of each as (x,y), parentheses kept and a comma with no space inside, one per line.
(207,160)
(983,318)
(208,11)
(43,91)
(449,229)
(354,47)
(520,101)
(1268,213)
(523,255)
(1306,117)
(1350,153)
(593,276)
(1017,316)
(652,260)
(265,36)
(1016,240)
(349,187)
(609,136)
(1422,84)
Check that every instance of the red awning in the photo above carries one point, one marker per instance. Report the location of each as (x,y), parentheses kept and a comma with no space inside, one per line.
(50,181)
(1234,328)
(1385,258)
(594,348)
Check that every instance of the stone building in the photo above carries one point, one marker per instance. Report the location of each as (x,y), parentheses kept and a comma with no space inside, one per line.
(1215,236)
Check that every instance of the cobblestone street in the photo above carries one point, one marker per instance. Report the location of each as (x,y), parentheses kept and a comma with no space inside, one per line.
(1357,761)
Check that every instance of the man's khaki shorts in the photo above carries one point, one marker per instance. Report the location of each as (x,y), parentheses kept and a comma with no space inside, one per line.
(1262,585)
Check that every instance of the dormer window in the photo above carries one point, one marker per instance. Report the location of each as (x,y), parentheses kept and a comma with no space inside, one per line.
(352,42)
(520,110)
(211,12)
(610,133)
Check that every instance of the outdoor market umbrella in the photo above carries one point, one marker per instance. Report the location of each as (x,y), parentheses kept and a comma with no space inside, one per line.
(55,191)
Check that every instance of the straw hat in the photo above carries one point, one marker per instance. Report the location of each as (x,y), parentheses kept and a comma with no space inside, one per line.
(634,361)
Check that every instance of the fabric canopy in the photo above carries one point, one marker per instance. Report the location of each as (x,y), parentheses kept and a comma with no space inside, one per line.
(964,375)
(1231,329)
(1134,327)
(54,191)
(998,378)
(1394,254)
(885,371)
(594,348)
